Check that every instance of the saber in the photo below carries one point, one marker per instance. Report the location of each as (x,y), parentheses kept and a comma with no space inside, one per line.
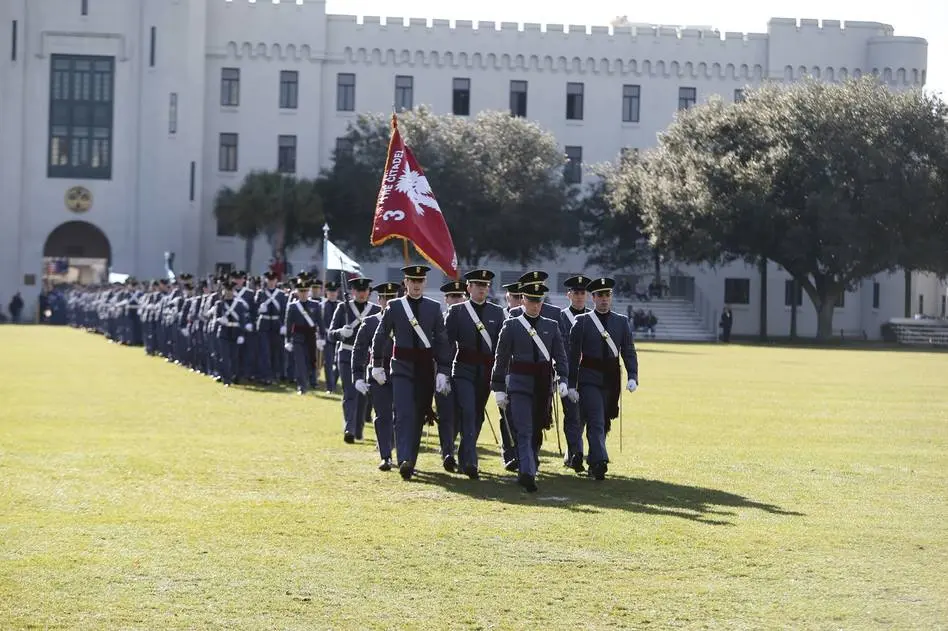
(491,426)
(556,421)
(620,421)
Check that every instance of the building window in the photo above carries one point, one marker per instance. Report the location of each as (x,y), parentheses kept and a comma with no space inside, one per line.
(286,154)
(574,101)
(13,35)
(687,97)
(227,159)
(193,181)
(151,49)
(518,98)
(739,95)
(230,87)
(921,304)
(173,113)
(343,147)
(80,116)
(631,103)
(461,97)
(876,291)
(345,92)
(404,93)
(737,291)
(84,7)
(573,171)
(223,269)
(289,89)
(840,301)
(788,286)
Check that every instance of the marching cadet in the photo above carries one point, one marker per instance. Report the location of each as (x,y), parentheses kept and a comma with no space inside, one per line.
(446,405)
(420,362)
(572,421)
(473,327)
(597,341)
(513,297)
(330,303)
(316,295)
(232,318)
(514,300)
(529,350)
(271,316)
(246,356)
(379,394)
(547,310)
(302,326)
(346,320)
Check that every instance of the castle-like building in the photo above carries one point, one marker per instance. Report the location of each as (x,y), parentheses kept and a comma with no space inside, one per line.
(121,119)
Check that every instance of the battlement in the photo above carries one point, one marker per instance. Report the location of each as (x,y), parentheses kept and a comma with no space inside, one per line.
(829,27)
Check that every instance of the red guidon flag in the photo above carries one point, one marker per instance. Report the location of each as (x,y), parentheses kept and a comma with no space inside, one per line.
(407,209)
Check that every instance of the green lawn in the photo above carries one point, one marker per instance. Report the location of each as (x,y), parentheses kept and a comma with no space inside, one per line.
(757,488)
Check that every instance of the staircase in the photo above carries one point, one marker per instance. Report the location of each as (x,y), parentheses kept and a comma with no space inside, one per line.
(920,332)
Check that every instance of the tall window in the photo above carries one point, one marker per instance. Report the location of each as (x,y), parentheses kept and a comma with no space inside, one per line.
(289,89)
(461,97)
(13,36)
(840,301)
(687,97)
(345,92)
(518,98)
(876,291)
(739,95)
(404,92)
(152,48)
(230,87)
(343,147)
(286,154)
(227,158)
(788,292)
(80,116)
(573,171)
(84,7)
(574,101)
(173,113)
(631,103)
(737,291)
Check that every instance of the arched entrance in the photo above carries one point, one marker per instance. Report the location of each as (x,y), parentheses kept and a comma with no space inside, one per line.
(76,252)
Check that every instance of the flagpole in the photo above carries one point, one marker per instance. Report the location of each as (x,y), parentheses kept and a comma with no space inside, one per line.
(325,252)
(405,252)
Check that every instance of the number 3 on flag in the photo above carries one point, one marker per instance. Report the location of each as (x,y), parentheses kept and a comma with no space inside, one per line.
(389,215)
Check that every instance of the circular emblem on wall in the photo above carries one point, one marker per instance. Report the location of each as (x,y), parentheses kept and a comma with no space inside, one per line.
(78,199)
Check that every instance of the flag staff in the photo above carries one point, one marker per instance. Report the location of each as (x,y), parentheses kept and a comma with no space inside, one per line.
(325,251)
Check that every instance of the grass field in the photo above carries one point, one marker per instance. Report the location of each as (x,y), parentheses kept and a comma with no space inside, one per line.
(757,488)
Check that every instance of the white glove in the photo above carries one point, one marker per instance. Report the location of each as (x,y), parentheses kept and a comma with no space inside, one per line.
(345,332)
(320,344)
(562,389)
(185,332)
(248,326)
(501,399)
(362,386)
(289,347)
(222,320)
(442,385)
(573,395)
(379,375)
(632,386)
(282,330)
(240,340)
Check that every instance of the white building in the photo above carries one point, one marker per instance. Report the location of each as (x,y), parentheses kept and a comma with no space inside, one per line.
(150,106)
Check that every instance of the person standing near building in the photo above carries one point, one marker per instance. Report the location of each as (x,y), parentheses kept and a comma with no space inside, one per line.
(16,308)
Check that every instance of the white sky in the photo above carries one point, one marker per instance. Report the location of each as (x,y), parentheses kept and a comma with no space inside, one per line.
(918,18)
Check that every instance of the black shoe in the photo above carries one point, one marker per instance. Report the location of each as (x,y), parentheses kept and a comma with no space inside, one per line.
(406,470)
(527,482)
(597,470)
(576,463)
(512,466)
(385,465)
(349,438)
(449,464)
(471,472)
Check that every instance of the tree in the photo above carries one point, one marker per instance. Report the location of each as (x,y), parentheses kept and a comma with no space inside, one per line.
(494,175)
(287,209)
(834,182)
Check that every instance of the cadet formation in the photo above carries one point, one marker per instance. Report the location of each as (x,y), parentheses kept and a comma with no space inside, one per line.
(404,362)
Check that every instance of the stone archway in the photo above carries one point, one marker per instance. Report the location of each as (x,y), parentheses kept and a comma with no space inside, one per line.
(77,240)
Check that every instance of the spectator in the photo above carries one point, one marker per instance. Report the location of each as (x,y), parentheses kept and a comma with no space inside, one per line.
(641,293)
(650,322)
(727,321)
(16,308)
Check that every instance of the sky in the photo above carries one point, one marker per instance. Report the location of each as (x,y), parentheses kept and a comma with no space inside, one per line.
(917,18)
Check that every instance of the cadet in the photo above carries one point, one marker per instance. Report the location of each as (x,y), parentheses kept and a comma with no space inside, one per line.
(232,317)
(271,318)
(529,349)
(346,320)
(514,301)
(446,405)
(597,341)
(246,368)
(302,326)
(420,362)
(572,421)
(513,297)
(330,302)
(547,310)
(473,327)
(379,394)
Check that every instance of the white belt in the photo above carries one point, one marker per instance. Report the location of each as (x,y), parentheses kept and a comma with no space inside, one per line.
(230,323)
(345,347)
(264,317)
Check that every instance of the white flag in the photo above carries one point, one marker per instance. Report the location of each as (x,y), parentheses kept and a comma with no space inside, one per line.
(336,259)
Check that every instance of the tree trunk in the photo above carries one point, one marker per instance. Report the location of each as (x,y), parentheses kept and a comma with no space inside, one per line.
(657,261)
(824,314)
(908,293)
(793,309)
(762,266)
(248,254)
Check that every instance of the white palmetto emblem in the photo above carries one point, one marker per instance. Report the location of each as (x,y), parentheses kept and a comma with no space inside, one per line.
(415,186)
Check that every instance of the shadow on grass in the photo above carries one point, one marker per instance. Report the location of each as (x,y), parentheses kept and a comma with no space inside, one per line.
(583,495)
